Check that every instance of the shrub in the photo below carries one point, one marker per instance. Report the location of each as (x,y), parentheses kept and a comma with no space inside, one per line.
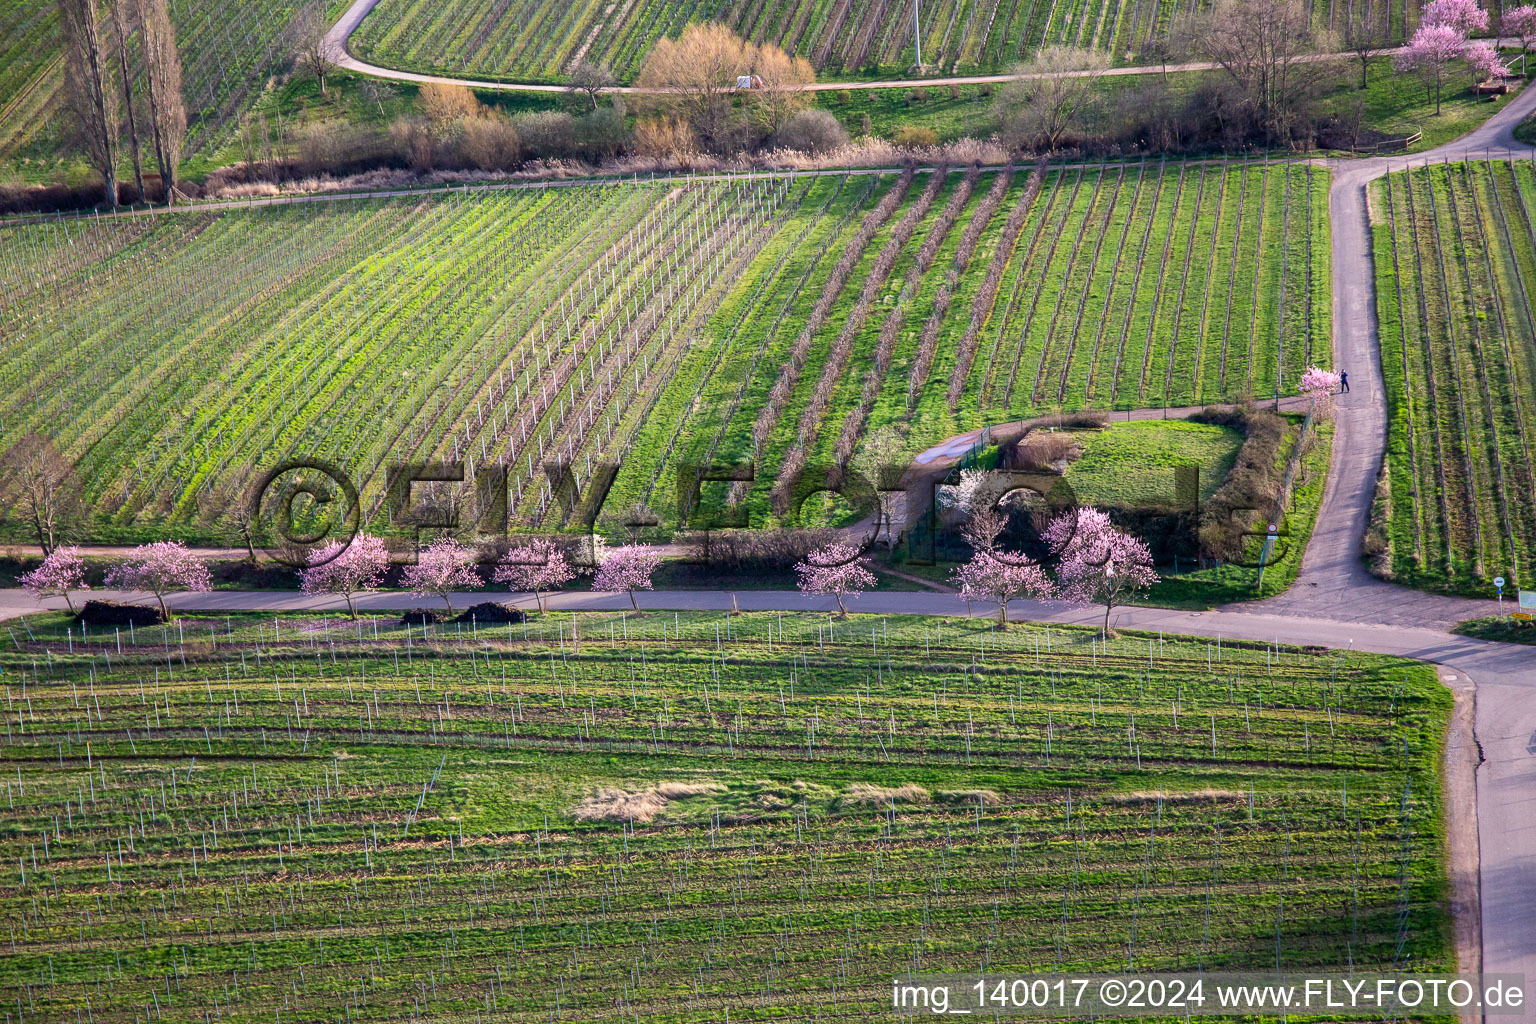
(813,131)
(916,137)
(915,96)
(489,612)
(111,613)
(550,134)
(602,133)
(844,96)
(490,144)
(439,102)
(421,617)
(757,552)
(664,138)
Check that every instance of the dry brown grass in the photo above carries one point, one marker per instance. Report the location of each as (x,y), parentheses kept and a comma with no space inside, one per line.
(610,804)
(985,797)
(1189,797)
(866,793)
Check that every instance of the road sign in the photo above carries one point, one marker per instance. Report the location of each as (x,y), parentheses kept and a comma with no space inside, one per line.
(1498,581)
(1528,599)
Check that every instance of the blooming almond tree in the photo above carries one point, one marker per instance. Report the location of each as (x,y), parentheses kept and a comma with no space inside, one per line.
(1001,577)
(1465,16)
(1484,60)
(1429,55)
(626,570)
(159,569)
(538,567)
(835,569)
(346,569)
(1520,22)
(445,566)
(62,571)
(1319,386)
(1099,564)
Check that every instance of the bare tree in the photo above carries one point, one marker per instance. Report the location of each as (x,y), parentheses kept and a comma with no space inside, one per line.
(121,30)
(38,483)
(1050,97)
(89,97)
(1263,46)
(591,78)
(780,88)
(232,503)
(695,78)
(162,73)
(879,462)
(376,92)
(311,53)
(1365,41)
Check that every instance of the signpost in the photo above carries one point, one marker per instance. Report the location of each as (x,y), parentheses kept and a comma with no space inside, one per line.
(1498,581)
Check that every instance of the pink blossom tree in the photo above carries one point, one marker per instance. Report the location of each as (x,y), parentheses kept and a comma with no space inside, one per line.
(161,568)
(1484,60)
(1319,386)
(444,567)
(1429,55)
(62,571)
(1001,577)
(1465,16)
(626,570)
(1520,22)
(346,569)
(835,569)
(537,567)
(1099,564)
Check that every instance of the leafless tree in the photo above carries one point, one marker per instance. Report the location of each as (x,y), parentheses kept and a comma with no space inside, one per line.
(38,484)
(89,96)
(376,92)
(1263,46)
(231,503)
(121,31)
(162,73)
(311,54)
(697,80)
(591,78)
(1365,42)
(1050,98)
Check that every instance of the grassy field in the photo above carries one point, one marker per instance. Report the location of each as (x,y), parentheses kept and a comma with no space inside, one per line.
(538,40)
(1132,463)
(1454,264)
(775,321)
(672,817)
(1130,466)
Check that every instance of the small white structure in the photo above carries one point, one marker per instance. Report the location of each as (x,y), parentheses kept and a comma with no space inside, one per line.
(748,82)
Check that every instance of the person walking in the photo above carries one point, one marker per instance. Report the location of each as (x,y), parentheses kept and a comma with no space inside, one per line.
(1343,382)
